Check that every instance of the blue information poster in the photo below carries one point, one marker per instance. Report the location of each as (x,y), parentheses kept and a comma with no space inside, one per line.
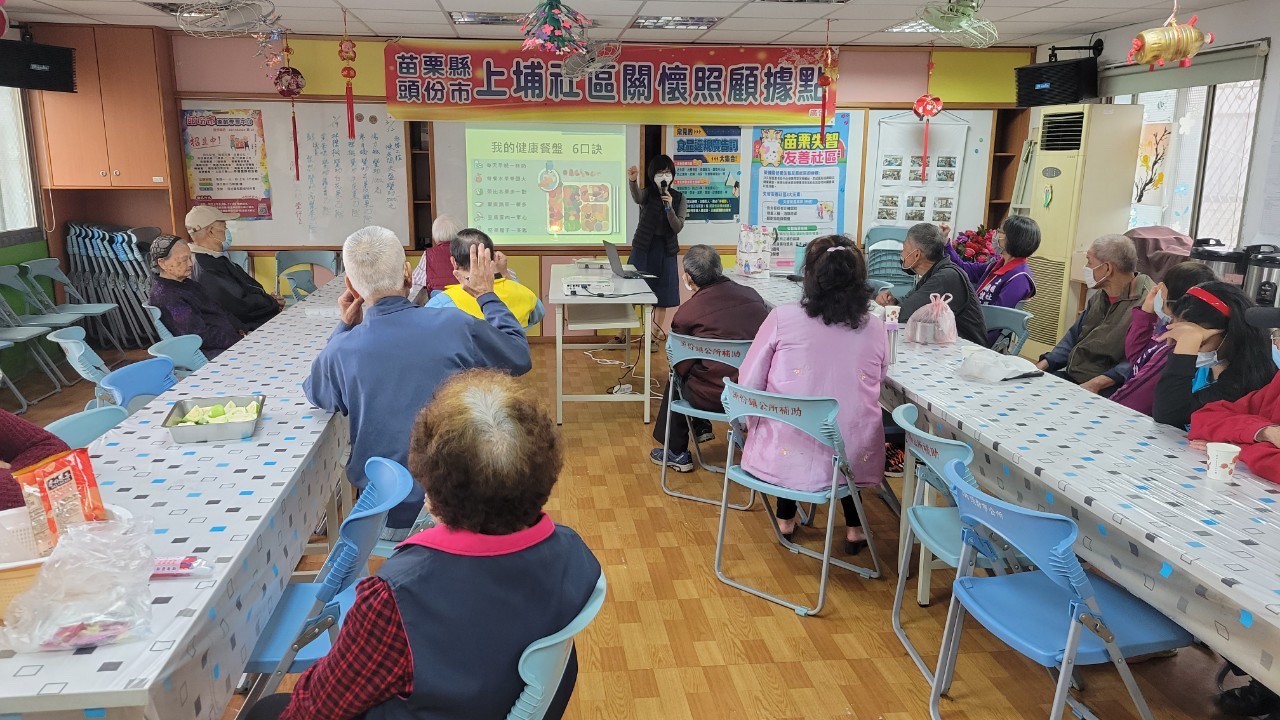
(709,170)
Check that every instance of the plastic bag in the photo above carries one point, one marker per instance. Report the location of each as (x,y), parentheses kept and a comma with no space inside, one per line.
(933,324)
(989,366)
(93,590)
(755,250)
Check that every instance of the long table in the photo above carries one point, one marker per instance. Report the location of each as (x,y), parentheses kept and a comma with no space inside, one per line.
(1205,553)
(248,507)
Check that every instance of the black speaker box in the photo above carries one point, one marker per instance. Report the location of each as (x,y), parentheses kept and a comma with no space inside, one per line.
(32,66)
(1058,83)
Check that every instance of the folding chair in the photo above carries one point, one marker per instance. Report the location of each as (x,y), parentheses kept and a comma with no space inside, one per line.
(1053,615)
(84,361)
(12,332)
(815,417)
(241,258)
(884,232)
(100,312)
(937,528)
(183,351)
(543,663)
(306,620)
(4,380)
(153,313)
(682,348)
(133,386)
(1014,326)
(387,548)
(81,429)
(303,279)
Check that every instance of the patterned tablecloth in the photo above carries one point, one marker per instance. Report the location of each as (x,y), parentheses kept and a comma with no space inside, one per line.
(775,290)
(1205,553)
(248,507)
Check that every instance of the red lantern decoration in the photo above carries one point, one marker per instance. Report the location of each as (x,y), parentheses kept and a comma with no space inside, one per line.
(347,54)
(289,83)
(927,106)
(826,79)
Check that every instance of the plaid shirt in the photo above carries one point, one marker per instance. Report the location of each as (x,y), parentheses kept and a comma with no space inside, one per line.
(368,665)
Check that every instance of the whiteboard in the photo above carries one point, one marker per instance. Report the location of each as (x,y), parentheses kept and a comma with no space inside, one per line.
(323,208)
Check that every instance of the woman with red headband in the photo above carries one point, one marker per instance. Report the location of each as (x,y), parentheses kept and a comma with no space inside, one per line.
(1216,354)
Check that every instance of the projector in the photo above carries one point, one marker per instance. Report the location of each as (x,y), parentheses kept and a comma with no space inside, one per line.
(588,285)
(591,264)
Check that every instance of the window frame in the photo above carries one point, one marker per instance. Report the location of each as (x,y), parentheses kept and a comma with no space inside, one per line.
(36,233)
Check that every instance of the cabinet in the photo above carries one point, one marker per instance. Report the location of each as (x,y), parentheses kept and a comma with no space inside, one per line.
(1008,135)
(116,130)
(423,182)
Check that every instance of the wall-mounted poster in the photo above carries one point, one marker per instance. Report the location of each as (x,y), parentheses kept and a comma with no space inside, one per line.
(225,153)
(709,171)
(910,186)
(798,183)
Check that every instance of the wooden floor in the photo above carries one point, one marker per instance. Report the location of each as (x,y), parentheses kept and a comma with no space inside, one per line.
(673,642)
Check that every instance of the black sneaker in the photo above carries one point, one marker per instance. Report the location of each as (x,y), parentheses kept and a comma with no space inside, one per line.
(706,436)
(680,463)
(1248,700)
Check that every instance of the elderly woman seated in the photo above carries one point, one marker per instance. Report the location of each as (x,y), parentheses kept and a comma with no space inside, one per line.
(487,455)
(185,307)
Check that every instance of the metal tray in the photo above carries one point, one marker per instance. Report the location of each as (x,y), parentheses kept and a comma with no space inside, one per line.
(219,432)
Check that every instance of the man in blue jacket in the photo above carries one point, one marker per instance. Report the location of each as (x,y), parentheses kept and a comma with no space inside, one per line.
(387,357)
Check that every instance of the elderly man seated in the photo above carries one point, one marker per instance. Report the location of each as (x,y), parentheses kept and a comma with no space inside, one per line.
(924,253)
(522,301)
(387,357)
(719,308)
(1091,354)
(224,281)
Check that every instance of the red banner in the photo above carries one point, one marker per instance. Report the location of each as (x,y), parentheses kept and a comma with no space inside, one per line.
(655,84)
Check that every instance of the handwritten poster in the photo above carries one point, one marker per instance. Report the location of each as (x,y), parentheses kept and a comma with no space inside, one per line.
(226,159)
(709,171)
(798,183)
(349,179)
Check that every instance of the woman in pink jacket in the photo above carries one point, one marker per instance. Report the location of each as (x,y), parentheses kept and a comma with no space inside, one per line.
(829,345)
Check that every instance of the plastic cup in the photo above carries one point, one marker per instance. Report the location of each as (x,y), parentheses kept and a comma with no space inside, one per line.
(891,313)
(1222,460)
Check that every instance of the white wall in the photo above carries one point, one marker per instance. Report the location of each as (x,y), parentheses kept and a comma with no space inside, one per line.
(1230,24)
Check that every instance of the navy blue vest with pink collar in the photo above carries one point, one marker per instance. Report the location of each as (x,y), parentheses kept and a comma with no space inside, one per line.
(471,604)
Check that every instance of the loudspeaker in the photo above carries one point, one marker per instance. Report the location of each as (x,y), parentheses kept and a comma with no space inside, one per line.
(32,66)
(1058,83)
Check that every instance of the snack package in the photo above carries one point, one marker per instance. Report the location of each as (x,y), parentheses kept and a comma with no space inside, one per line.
(60,492)
(93,590)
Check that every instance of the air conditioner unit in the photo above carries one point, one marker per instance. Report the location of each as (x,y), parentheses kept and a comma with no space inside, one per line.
(1079,188)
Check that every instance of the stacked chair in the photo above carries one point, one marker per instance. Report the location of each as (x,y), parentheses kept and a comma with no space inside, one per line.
(106,266)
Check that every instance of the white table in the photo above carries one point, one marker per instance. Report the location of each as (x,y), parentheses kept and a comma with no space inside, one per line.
(589,312)
(775,289)
(1204,553)
(248,507)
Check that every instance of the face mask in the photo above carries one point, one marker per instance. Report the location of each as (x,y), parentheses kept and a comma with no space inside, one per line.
(907,268)
(1158,304)
(1206,359)
(226,242)
(663,179)
(1089,280)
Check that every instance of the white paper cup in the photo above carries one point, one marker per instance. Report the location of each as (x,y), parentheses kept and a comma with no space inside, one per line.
(891,313)
(1222,460)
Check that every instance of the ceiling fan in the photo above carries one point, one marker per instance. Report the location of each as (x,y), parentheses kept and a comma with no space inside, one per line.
(957,22)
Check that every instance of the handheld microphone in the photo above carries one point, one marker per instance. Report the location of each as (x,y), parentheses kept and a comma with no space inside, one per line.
(663,185)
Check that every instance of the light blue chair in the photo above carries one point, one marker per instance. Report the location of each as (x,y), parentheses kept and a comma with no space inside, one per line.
(153,312)
(6,382)
(183,351)
(133,386)
(387,548)
(681,348)
(1014,326)
(241,258)
(937,528)
(815,417)
(49,269)
(1057,615)
(82,358)
(543,663)
(884,232)
(305,622)
(81,429)
(302,280)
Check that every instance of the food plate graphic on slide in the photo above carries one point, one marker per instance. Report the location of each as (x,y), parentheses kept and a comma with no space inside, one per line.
(580,209)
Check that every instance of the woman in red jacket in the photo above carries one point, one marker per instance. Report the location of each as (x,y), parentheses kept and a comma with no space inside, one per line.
(1253,421)
(21,445)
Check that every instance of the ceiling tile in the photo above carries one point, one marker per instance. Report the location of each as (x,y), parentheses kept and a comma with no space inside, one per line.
(738,37)
(416,17)
(779,24)
(104,7)
(1064,16)
(638,35)
(860,11)
(761,9)
(663,8)
(1106,4)
(494,32)
(884,38)
(32,5)
(608,21)
(412,30)
(602,7)
(811,37)
(41,17)
(995,14)
(154,19)
(849,27)
(1146,17)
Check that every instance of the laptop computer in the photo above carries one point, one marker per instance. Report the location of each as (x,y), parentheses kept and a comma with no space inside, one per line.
(611,251)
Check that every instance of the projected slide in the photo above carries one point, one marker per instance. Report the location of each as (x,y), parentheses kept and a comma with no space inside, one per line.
(537,184)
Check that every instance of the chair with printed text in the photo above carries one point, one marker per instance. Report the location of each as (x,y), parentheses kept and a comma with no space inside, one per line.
(302,279)
(82,428)
(815,417)
(305,622)
(133,386)
(184,351)
(1014,326)
(681,349)
(1057,615)
(543,663)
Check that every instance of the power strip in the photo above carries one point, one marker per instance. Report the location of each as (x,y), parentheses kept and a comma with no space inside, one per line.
(623,389)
